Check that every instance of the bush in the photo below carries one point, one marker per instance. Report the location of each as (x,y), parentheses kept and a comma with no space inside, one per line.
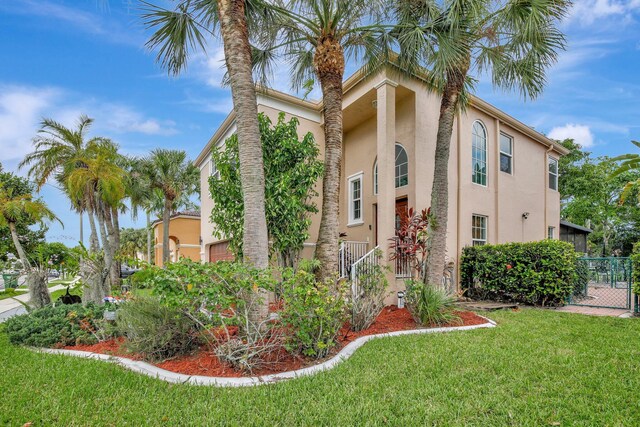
(367,298)
(540,273)
(59,326)
(429,305)
(155,331)
(313,313)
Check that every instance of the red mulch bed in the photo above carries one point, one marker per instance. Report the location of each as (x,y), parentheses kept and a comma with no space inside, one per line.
(205,363)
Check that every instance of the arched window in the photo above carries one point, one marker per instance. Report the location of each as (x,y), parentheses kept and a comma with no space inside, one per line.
(402,166)
(375,177)
(479,154)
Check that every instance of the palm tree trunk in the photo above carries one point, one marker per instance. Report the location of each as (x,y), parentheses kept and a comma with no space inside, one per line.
(437,229)
(94,244)
(115,266)
(237,52)
(166,217)
(148,237)
(329,64)
(36,277)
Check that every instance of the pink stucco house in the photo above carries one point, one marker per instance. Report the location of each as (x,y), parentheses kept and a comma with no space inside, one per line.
(503,174)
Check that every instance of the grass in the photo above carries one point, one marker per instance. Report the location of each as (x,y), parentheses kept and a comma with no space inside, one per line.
(10,293)
(537,368)
(61,282)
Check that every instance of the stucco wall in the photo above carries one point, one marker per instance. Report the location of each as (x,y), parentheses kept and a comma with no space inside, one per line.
(184,235)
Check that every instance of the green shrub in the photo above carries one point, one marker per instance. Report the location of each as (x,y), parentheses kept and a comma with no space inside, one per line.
(540,273)
(155,331)
(313,313)
(635,266)
(58,326)
(429,305)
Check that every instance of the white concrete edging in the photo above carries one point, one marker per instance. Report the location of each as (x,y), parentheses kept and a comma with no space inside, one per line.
(173,377)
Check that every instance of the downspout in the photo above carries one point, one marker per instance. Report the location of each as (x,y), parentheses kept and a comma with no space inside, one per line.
(496,238)
(546,187)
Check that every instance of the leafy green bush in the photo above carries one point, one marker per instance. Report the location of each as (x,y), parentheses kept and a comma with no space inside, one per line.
(58,326)
(541,273)
(430,305)
(313,312)
(635,265)
(156,331)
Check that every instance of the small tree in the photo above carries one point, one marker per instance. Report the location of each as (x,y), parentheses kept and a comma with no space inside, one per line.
(292,169)
(411,242)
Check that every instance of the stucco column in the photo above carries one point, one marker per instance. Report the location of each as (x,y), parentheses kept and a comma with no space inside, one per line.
(386,138)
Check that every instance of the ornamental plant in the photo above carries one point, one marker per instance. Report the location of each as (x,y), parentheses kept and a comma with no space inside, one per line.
(539,273)
(411,241)
(313,312)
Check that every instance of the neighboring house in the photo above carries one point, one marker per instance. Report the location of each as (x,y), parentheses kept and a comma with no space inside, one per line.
(575,234)
(184,236)
(503,175)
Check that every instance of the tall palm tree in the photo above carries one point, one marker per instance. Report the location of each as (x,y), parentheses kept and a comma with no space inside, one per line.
(318,37)
(175,177)
(17,208)
(185,28)
(628,162)
(513,41)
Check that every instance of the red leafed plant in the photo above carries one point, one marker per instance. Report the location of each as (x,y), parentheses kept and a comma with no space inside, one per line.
(410,243)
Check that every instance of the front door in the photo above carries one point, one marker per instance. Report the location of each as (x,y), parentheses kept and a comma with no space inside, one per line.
(402,205)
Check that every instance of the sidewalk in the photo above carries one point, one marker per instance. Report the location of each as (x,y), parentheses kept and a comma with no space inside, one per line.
(10,307)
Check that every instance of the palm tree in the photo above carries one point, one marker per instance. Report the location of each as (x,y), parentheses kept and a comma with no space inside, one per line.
(183,29)
(17,208)
(628,162)
(318,36)
(514,42)
(176,178)
(88,172)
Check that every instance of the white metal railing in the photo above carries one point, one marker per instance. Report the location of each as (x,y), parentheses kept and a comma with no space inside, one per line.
(350,252)
(364,266)
(402,268)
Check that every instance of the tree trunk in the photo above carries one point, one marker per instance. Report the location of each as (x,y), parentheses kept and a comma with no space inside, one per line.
(237,50)
(94,244)
(329,65)
(115,250)
(36,277)
(166,217)
(437,229)
(149,237)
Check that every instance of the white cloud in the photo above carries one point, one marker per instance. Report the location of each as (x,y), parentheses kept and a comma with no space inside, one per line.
(124,119)
(588,12)
(581,134)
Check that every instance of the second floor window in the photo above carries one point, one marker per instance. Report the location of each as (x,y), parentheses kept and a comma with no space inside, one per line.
(479,154)
(506,153)
(553,173)
(214,170)
(402,166)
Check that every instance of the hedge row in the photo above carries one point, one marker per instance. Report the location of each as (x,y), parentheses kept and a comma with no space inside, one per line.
(540,273)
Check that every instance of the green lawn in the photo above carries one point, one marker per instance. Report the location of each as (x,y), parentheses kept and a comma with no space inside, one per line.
(61,282)
(11,293)
(537,368)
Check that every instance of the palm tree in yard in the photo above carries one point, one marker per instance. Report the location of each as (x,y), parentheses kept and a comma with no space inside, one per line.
(318,37)
(513,41)
(176,178)
(17,208)
(186,28)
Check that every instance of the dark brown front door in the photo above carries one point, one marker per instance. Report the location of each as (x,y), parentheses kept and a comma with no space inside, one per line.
(402,205)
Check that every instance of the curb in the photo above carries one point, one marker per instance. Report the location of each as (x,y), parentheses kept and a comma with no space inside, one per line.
(176,378)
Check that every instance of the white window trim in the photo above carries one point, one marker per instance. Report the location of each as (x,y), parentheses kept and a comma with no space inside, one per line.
(551,232)
(556,174)
(486,230)
(351,221)
(211,163)
(486,154)
(507,154)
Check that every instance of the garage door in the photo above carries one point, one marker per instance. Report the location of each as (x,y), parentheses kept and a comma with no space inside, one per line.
(220,252)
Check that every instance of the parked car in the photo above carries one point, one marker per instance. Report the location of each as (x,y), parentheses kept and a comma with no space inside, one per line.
(54,273)
(126,271)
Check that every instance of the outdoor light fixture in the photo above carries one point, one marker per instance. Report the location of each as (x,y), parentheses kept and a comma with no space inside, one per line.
(525,215)
(400,299)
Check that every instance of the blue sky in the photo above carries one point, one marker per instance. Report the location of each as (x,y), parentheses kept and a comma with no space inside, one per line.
(63,58)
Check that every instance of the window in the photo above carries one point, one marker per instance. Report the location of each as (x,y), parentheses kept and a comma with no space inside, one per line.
(506,153)
(479,154)
(402,166)
(553,173)
(355,199)
(375,178)
(213,170)
(551,233)
(479,230)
